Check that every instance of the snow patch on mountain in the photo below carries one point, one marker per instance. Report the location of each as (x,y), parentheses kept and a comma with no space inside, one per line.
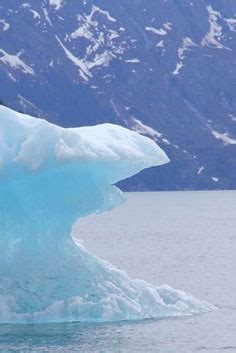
(26,104)
(200,170)
(159,31)
(95,9)
(100,60)
(215,179)
(5,25)
(101,45)
(160,44)
(225,138)
(231,22)
(167,25)
(11,76)
(213,37)
(186,45)
(139,127)
(179,66)
(35,14)
(47,17)
(233,117)
(82,31)
(133,61)
(15,62)
(57,4)
(105,13)
(84,64)
(84,72)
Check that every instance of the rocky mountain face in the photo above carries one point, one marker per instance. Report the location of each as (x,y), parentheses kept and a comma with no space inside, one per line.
(164,68)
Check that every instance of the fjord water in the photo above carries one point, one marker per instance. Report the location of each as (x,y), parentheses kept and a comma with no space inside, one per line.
(184,239)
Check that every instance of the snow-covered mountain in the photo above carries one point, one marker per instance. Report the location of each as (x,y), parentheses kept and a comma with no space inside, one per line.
(164,68)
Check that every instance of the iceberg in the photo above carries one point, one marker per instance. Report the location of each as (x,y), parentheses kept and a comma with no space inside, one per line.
(49,177)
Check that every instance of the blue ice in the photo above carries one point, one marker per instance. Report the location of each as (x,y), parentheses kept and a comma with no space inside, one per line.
(49,177)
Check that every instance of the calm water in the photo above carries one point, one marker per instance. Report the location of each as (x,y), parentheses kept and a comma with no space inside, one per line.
(184,239)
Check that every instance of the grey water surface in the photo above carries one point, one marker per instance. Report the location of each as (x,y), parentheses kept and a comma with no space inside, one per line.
(184,239)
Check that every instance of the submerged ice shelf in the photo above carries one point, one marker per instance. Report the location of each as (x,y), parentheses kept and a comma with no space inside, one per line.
(49,177)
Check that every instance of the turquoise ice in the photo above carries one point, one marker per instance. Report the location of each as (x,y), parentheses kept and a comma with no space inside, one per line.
(49,177)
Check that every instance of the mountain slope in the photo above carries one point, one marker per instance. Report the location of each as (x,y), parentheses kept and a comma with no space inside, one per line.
(163,68)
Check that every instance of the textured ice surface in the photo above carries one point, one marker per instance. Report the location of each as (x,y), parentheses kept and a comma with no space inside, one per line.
(49,177)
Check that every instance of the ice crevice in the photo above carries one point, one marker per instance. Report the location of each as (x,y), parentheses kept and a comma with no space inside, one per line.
(49,177)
